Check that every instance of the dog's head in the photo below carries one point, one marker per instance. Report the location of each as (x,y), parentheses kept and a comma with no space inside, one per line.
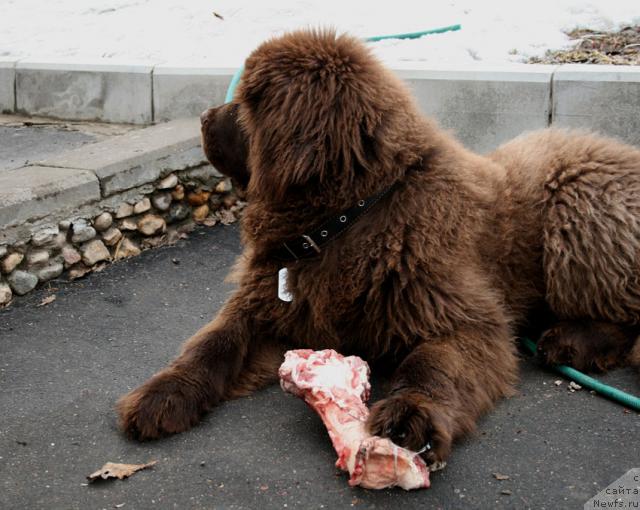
(316,118)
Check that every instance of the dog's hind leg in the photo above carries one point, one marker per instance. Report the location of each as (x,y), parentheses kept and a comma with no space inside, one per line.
(592,232)
(588,345)
(591,252)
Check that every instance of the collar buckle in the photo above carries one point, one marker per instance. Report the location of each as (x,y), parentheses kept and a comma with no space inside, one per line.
(311,242)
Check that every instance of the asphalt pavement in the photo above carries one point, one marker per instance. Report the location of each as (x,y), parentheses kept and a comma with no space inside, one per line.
(63,365)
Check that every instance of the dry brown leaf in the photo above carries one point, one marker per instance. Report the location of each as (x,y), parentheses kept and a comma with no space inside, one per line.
(226,217)
(78,272)
(99,267)
(119,471)
(48,300)
(498,476)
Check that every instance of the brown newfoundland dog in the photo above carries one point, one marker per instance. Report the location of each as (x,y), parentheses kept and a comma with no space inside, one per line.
(403,247)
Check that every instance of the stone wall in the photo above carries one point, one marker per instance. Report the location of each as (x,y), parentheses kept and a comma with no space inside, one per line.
(80,209)
(169,209)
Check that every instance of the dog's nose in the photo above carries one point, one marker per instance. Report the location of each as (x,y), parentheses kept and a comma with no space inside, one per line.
(205,116)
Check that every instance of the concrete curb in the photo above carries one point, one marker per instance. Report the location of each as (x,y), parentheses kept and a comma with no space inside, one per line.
(107,92)
(482,105)
(187,91)
(57,186)
(31,193)
(7,86)
(602,98)
(138,157)
(73,212)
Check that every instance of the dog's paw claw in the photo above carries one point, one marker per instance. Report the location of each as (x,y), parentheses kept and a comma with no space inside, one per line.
(411,420)
(437,465)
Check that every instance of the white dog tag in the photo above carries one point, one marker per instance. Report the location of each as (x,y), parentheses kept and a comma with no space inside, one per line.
(283,290)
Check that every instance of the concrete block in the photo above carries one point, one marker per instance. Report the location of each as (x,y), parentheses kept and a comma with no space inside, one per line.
(107,92)
(33,192)
(180,92)
(605,99)
(7,86)
(484,106)
(137,157)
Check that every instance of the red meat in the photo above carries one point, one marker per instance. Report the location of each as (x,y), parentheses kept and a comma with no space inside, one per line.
(336,387)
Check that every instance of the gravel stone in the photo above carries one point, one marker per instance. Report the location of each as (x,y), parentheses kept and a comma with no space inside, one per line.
(59,241)
(200,213)
(127,249)
(37,257)
(151,224)
(82,232)
(22,282)
(143,206)
(70,256)
(198,198)
(94,251)
(11,262)
(124,210)
(103,221)
(44,236)
(5,294)
(178,193)
(178,212)
(168,182)
(162,201)
(128,224)
(111,236)
(49,272)
(224,186)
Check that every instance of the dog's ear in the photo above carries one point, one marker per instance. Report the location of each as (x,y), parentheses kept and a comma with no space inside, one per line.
(314,107)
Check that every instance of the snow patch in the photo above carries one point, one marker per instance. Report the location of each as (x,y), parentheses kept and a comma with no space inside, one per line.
(187,33)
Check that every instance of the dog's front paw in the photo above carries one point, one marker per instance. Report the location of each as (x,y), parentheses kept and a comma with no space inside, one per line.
(166,404)
(410,419)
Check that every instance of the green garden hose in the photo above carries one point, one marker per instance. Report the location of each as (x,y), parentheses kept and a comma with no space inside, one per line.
(410,35)
(232,86)
(627,400)
(414,35)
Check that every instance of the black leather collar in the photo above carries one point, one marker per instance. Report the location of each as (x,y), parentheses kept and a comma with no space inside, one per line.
(309,245)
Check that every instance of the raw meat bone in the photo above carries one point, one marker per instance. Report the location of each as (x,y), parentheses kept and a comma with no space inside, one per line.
(336,387)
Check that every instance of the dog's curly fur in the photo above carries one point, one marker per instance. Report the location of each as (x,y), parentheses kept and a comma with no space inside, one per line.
(434,281)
